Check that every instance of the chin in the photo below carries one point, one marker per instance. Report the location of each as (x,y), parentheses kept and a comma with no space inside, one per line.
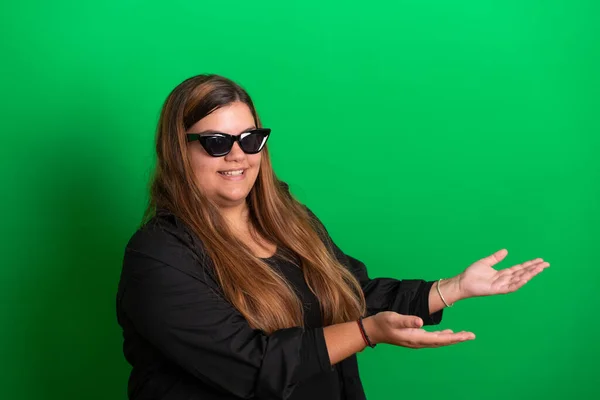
(234,197)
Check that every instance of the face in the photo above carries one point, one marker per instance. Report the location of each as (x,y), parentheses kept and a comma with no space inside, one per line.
(213,174)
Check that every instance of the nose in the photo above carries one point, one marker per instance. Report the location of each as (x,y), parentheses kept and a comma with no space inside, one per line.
(236,153)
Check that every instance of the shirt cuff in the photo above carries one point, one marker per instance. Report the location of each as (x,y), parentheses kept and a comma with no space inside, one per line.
(429,319)
(315,357)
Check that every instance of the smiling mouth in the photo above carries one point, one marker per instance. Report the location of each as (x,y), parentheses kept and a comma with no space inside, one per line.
(237,172)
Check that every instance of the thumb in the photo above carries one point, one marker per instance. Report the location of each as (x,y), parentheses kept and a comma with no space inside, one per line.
(495,258)
(409,321)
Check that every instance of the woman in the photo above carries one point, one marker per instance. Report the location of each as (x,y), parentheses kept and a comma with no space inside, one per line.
(231,289)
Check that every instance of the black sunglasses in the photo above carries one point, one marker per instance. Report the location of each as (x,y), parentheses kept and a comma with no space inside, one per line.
(220,144)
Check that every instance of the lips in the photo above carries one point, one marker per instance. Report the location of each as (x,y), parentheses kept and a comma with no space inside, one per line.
(232,172)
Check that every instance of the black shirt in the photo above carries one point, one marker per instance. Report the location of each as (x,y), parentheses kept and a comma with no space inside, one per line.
(186,342)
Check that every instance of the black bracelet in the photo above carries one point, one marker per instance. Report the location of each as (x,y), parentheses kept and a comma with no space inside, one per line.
(362,328)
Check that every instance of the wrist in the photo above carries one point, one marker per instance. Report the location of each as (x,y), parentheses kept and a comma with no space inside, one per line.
(452,290)
(371,330)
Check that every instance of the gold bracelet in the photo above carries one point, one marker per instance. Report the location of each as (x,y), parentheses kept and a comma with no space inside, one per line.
(440,293)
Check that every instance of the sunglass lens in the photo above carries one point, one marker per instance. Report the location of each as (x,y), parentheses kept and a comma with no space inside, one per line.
(254,142)
(217,145)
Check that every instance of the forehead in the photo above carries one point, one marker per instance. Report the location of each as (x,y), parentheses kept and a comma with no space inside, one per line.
(232,118)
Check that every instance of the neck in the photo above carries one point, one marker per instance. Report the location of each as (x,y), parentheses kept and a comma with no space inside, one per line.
(236,217)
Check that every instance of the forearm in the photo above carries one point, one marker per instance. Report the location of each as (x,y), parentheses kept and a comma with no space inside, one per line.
(345,339)
(450,289)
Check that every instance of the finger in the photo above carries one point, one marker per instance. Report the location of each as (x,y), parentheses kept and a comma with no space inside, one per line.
(456,335)
(531,271)
(447,339)
(517,279)
(443,342)
(420,338)
(495,258)
(444,331)
(516,284)
(525,265)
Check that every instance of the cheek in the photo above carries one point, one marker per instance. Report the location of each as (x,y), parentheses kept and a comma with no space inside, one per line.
(204,167)
(254,161)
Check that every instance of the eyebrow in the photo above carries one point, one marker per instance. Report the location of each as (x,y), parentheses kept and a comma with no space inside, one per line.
(212,131)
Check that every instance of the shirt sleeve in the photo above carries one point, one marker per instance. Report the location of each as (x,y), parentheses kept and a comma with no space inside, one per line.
(407,296)
(181,314)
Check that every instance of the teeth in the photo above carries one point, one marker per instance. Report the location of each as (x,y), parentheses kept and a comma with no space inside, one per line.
(232,173)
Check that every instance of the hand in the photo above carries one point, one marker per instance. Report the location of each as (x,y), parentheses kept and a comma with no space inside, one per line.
(405,330)
(480,279)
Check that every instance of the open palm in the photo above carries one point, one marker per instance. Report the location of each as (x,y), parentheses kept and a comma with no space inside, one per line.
(481,279)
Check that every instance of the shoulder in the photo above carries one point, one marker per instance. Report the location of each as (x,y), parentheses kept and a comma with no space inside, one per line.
(165,240)
(161,232)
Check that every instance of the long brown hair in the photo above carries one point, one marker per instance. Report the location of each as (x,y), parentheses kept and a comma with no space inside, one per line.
(256,289)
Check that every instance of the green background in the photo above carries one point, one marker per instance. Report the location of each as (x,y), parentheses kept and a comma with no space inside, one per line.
(425,134)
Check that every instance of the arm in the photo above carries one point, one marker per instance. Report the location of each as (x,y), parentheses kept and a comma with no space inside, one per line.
(481,279)
(406,296)
(421,298)
(450,289)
